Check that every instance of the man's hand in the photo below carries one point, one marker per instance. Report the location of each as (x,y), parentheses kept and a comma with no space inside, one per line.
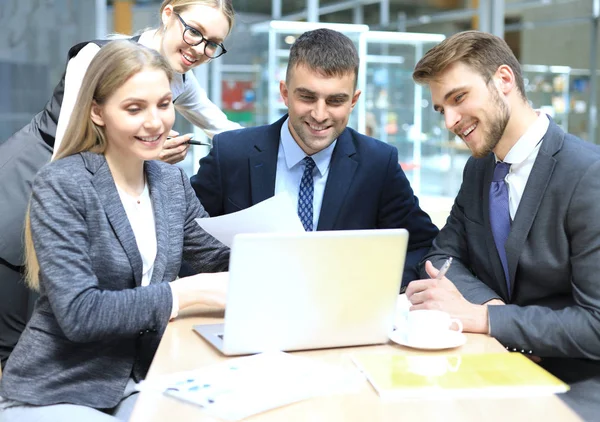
(443,295)
(175,149)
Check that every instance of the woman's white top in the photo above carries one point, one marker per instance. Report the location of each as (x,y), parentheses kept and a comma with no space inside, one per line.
(141,219)
(140,214)
(190,99)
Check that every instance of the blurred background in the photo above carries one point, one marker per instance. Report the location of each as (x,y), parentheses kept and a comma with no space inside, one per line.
(555,40)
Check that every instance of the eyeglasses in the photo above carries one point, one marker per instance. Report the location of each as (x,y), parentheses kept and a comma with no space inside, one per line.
(193,37)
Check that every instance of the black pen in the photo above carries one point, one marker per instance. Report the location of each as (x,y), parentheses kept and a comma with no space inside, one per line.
(192,142)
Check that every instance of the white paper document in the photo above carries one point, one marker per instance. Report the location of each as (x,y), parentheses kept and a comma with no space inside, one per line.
(276,214)
(241,387)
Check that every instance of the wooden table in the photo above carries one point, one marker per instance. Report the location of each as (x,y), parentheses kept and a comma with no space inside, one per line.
(182,349)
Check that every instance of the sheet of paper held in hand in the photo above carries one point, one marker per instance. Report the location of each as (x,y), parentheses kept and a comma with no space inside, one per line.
(276,214)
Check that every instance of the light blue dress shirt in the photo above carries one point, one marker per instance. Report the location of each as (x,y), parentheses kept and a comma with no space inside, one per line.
(290,169)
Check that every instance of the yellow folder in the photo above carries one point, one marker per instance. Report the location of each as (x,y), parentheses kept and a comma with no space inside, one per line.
(451,375)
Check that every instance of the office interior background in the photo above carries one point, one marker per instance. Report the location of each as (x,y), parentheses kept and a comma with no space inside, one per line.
(555,40)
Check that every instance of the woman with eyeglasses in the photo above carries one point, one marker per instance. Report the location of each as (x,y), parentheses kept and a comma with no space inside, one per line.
(191,32)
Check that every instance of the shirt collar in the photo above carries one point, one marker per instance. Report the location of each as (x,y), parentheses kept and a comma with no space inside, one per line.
(294,155)
(146,38)
(529,142)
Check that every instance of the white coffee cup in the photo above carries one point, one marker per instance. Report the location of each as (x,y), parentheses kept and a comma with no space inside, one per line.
(430,325)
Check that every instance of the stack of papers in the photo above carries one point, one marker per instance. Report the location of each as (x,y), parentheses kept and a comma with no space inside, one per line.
(245,386)
(451,375)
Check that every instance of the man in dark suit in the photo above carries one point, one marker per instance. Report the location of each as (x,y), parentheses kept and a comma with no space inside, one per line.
(342,180)
(524,230)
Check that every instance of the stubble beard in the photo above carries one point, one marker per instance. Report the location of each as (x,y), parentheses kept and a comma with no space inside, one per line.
(498,124)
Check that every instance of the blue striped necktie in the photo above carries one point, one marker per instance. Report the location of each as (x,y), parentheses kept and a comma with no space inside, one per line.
(305,195)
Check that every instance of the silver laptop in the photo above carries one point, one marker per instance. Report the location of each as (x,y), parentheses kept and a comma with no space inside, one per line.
(298,291)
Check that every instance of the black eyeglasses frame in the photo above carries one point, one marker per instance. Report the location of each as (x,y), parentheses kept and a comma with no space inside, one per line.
(204,40)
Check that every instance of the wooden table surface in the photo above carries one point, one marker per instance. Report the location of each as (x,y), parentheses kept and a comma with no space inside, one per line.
(182,349)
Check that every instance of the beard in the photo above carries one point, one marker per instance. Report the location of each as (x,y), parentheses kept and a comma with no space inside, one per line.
(498,120)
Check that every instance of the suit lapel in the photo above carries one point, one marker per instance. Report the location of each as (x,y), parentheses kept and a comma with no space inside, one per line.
(494,258)
(157,190)
(110,199)
(263,163)
(341,172)
(532,197)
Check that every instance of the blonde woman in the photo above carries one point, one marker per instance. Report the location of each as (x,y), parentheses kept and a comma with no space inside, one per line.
(106,234)
(191,32)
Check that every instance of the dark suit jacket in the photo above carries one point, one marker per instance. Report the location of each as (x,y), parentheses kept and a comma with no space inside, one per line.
(366,188)
(94,326)
(553,254)
(20,158)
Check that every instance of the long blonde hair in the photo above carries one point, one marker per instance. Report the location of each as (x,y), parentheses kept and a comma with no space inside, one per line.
(114,64)
(179,6)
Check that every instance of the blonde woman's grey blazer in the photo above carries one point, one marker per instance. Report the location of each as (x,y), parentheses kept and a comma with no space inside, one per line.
(94,326)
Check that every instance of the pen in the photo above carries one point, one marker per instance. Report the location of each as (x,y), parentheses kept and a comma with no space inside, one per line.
(444,269)
(192,142)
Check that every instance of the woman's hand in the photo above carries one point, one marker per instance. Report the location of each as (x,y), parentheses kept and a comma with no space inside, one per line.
(209,289)
(175,149)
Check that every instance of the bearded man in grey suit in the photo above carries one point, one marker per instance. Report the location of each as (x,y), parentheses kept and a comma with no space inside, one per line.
(524,230)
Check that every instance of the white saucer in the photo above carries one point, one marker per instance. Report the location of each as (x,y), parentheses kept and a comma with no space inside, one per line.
(449,340)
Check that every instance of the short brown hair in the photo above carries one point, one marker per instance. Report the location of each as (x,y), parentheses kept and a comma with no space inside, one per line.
(483,52)
(326,51)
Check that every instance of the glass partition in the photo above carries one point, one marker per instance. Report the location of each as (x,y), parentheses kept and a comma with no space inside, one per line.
(395,110)
(274,39)
(547,88)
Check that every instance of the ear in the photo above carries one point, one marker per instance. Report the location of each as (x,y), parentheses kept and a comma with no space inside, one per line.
(96,114)
(355,97)
(284,92)
(166,14)
(505,79)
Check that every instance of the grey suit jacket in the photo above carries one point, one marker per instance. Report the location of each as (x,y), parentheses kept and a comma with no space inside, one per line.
(94,326)
(553,251)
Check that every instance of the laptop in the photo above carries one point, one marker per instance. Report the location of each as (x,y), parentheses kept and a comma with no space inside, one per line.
(310,290)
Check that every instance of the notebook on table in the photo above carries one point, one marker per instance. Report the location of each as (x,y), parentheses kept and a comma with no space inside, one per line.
(310,290)
(401,376)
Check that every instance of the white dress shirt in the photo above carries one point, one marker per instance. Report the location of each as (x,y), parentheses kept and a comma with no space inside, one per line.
(290,170)
(522,157)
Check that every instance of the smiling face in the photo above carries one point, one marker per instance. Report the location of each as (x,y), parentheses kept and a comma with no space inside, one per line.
(210,22)
(137,117)
(474,110)
(319,106)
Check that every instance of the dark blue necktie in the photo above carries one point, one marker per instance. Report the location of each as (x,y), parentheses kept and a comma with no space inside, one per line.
(500,213)
(305,195)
